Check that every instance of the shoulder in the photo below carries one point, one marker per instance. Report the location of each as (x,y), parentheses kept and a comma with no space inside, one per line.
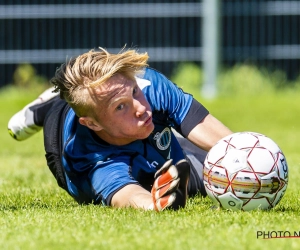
(151,77)
(157,86)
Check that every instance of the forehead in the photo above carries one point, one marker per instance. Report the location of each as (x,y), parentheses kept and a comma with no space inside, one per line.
(112,88)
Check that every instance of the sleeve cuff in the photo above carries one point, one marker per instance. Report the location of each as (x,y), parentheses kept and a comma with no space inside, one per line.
(195,115)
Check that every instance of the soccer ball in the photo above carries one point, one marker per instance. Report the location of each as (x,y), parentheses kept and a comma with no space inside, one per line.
(245,171)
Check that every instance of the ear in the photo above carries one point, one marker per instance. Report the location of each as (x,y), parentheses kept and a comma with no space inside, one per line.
(90,123)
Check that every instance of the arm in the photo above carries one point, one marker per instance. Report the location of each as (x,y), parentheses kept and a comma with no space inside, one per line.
(169,190)
(117,187)
(208,132)
(132,196)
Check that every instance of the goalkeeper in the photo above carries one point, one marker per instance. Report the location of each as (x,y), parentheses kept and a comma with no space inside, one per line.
(121,134)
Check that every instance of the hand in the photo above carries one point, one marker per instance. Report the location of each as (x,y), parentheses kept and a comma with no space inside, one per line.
(170,186)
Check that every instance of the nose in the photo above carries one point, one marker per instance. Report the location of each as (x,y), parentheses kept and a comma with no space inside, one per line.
(139,108)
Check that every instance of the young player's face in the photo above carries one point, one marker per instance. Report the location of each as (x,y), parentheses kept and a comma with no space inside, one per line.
(125,115)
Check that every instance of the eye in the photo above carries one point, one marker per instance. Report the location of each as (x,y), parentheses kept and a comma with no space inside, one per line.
(135,90)
(120,107)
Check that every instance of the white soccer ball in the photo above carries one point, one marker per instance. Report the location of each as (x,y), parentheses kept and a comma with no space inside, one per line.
(245,171)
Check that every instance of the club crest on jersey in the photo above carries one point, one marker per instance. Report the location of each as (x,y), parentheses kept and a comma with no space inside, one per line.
(163,139)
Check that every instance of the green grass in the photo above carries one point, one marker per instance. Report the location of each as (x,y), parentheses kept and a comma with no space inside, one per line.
(36,214)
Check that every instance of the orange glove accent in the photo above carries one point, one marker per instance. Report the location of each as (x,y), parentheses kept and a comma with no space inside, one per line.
(165,191)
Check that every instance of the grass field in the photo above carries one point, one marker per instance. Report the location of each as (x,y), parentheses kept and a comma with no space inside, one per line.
(36,214)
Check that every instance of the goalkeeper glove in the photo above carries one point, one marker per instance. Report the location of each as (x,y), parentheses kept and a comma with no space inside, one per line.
(170,186)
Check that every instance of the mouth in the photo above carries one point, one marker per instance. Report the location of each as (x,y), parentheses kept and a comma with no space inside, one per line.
(148,121)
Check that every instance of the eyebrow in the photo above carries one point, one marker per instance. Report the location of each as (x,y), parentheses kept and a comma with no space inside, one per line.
(118,98)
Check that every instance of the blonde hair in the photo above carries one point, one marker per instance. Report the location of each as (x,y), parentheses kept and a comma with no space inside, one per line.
(76,78)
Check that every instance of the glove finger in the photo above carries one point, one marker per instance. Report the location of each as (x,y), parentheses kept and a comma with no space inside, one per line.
(166,177)
(167,189)
(164,202)
(183,168)
(164,168)
(183,171)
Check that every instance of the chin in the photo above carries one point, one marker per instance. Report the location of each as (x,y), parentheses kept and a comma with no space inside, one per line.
(146,135)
